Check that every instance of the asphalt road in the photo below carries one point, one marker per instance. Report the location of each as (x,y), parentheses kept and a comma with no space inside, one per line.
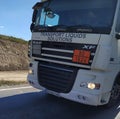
(28,103)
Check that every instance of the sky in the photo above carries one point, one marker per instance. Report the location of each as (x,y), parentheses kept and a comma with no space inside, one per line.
(15,18)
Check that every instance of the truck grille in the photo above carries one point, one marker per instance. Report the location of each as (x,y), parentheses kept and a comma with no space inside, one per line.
(62,53)
(55,77)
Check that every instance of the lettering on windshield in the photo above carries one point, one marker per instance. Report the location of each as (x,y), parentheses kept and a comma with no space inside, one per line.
(63,37)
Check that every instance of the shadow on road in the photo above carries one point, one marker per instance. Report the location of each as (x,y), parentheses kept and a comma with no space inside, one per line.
(43,106)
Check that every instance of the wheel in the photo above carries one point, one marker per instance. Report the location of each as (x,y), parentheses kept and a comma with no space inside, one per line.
(115,95)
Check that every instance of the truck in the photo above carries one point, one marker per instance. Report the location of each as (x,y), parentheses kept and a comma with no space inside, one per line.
(75,50)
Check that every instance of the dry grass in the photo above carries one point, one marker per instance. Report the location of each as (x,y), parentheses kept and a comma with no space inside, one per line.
(13,39)
(11,83)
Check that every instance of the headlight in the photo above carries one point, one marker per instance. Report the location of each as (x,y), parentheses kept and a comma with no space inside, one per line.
(36,48)
(29,48)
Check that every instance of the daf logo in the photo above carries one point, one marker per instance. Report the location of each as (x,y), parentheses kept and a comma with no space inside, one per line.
(89,47)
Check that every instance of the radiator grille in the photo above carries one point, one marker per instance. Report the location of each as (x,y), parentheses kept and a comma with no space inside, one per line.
(62,52)
(55,77)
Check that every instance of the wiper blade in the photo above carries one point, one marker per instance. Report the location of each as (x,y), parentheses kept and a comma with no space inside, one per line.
(64,28)
(82,28)
(51,28)
(59,27)
(41,28)
(77,28)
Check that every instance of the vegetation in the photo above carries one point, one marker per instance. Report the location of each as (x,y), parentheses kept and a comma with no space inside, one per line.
(13,39)
(13,53)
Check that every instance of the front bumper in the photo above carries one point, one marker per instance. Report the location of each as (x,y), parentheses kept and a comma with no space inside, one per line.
(83,98)
(77,93)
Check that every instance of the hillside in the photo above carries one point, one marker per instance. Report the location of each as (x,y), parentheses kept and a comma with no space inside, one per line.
(13,54)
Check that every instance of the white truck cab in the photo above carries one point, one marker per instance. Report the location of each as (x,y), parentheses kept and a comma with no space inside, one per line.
(75,50)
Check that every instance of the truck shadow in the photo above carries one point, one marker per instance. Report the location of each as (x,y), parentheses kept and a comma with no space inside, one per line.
(40,105)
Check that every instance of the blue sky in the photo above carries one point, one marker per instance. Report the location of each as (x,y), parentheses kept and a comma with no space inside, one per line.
(15,17)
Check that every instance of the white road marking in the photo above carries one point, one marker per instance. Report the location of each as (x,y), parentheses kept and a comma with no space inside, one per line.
(9,89)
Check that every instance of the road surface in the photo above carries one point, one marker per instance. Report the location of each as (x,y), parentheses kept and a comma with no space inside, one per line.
(28,103)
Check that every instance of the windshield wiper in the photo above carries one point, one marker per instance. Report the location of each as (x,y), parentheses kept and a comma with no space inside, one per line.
(59,27)
(82,28)
(50,28)
(41,28)
(64,28)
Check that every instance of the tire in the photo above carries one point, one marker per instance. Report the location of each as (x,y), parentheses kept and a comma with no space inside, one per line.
(115,95)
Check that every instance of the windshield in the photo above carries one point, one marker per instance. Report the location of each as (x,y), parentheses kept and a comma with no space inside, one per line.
(76,15)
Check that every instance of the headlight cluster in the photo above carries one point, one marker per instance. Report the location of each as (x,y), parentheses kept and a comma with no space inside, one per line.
(36,48)
(29,48)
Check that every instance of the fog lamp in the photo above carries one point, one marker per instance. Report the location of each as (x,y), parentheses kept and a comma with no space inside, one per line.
(93,86)
(30,71)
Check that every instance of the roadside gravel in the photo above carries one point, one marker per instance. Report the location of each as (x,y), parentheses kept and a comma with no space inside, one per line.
(13,75)
(10,78)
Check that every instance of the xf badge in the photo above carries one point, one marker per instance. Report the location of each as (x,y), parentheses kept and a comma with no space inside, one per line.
(89,47)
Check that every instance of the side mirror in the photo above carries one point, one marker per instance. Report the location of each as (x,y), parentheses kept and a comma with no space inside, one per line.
(34,16)
(32,27)
(118,36)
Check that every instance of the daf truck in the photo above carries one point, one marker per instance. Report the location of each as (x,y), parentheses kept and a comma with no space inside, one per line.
(75,50)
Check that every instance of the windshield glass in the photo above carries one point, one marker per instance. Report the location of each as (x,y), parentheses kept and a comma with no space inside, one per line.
(77,15)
